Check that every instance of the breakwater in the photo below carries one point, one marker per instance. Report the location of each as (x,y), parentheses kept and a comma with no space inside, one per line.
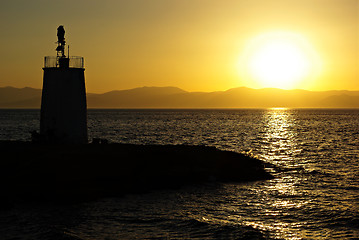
(71,172)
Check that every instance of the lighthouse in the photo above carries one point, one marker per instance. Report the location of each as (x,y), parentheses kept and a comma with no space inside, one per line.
(63,103)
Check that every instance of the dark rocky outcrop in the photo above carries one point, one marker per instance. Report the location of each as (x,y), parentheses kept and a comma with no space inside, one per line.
(70,172)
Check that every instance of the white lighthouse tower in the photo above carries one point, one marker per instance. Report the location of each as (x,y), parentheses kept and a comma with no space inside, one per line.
(63,102)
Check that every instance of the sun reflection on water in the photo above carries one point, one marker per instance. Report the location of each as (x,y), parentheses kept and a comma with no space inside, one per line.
(279,138)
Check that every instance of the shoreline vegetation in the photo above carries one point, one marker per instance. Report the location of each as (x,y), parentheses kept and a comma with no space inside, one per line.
(54,172)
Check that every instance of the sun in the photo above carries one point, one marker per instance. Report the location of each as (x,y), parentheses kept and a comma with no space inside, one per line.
(279,59)
(279,64)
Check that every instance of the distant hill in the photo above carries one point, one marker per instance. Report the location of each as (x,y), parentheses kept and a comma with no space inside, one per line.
(11,97)
(172,97)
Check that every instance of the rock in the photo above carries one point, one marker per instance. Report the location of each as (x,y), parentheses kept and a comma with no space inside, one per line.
(39,171)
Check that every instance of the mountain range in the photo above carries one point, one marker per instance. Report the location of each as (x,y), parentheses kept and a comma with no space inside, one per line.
(173,97)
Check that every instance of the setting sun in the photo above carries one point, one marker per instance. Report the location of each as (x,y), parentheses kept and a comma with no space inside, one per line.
(280,60)
(279,63)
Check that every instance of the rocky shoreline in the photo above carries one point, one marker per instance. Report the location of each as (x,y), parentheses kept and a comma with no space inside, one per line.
(32,171)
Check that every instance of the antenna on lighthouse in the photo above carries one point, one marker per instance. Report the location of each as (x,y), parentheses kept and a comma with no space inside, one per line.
(61,60)
(61,41)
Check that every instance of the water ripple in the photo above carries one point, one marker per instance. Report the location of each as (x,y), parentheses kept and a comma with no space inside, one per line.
(313,154)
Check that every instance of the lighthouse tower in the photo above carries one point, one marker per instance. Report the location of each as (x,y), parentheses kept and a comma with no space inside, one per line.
(63,102)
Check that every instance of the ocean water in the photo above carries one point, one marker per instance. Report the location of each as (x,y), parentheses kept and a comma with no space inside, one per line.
(314,195)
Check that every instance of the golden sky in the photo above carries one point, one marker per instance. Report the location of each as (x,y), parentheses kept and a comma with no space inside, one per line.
(197,45)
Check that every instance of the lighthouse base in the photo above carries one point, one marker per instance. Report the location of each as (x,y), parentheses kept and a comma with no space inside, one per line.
(63,106)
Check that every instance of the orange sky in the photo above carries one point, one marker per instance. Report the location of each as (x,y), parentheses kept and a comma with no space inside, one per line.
(192,44)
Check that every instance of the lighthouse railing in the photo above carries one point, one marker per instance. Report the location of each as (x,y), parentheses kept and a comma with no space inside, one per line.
(53,62)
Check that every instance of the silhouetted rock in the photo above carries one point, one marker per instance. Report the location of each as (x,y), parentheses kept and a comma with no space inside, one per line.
(70,172)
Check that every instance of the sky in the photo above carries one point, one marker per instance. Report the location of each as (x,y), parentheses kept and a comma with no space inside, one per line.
(196,45)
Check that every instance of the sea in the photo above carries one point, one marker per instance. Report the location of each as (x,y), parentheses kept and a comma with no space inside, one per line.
(313,155)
